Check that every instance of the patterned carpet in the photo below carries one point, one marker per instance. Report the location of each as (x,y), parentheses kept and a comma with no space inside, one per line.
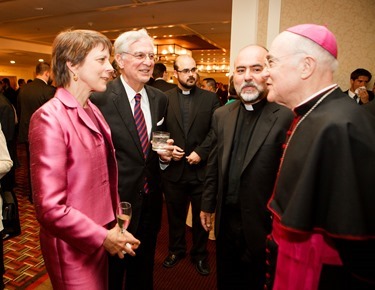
(25,267)
(22,257)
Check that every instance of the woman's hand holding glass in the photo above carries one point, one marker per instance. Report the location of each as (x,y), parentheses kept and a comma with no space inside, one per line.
(116,242)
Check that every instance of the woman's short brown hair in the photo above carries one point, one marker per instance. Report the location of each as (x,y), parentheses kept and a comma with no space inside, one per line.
(74,46)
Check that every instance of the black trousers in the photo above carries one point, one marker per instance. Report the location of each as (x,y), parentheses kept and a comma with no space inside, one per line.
(29,170)
(136,273)
(238,267)
(177,197)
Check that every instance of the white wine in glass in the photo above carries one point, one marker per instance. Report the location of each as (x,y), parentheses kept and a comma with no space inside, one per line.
(124,214)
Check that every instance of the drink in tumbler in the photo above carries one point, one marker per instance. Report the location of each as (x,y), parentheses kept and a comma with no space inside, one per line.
(159,140)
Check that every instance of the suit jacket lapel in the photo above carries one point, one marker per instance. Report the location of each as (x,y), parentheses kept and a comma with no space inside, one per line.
(121,102)
(175,106)
(229,128)
(261,130)
(152,101)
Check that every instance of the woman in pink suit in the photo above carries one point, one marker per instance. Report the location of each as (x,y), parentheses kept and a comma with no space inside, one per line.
(73,168)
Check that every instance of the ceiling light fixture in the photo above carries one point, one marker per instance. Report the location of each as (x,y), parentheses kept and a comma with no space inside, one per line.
(169,52)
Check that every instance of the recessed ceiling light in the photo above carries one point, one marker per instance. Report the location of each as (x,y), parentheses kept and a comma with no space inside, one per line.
(41,60)
(12,61)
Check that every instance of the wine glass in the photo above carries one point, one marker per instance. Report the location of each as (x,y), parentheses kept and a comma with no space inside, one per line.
(124,214)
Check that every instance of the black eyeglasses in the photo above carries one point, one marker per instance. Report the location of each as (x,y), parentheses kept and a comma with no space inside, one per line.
(187,71)
(142,56)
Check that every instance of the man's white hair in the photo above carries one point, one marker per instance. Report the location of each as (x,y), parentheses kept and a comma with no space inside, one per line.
(126,39)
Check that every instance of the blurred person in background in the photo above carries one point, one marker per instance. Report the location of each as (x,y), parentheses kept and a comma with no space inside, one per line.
(359,80)
(160,75)
(30,98)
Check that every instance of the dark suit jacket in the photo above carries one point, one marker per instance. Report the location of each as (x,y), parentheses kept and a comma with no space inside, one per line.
(31,96)
(7,118)
(199,138)
(163,85)
(370,106)
(258,172)
(132,166)
(370,96)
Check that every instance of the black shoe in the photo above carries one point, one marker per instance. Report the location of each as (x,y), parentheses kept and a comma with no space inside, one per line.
(202,267)
(171,260)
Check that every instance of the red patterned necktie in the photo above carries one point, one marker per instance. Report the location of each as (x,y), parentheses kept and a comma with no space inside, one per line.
(142,131)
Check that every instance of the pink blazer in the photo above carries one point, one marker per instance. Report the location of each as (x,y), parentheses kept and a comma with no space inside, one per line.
(74,183)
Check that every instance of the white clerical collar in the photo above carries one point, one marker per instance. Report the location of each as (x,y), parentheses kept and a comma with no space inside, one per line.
(249,107)
(326,89)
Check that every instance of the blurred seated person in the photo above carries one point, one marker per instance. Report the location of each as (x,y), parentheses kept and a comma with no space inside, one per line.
(359,80)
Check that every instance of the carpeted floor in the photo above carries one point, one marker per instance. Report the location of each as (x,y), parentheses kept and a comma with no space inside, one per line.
(24,263)
(22,257)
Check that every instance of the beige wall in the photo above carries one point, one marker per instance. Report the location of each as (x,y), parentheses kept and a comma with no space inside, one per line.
(19,72)
(353,23)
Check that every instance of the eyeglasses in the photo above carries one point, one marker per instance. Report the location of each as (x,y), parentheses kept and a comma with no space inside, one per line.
(187,71)
(142,56)
(271,61)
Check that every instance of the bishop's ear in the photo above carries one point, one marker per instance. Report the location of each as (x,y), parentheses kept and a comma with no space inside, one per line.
(308,66)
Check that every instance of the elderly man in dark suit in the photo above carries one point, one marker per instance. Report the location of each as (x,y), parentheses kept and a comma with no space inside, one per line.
(188,121)
(138,166)
(241,172)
